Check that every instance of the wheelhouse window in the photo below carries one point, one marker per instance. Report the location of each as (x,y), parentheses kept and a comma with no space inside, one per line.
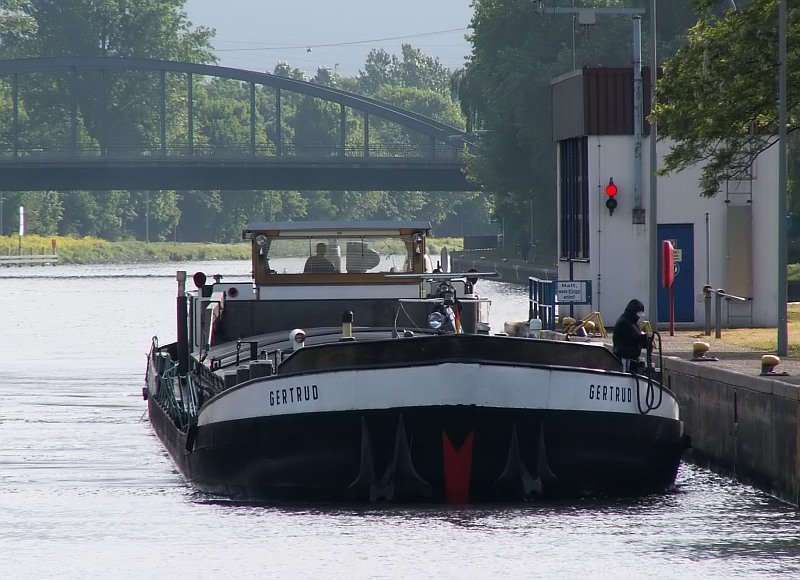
(340,254)
(574,209)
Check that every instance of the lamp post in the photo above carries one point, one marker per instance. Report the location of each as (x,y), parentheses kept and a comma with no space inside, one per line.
(783,258)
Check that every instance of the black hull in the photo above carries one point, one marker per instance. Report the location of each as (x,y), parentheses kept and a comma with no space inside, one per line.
(427,454)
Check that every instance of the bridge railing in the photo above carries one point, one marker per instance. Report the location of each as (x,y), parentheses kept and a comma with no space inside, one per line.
(400,151)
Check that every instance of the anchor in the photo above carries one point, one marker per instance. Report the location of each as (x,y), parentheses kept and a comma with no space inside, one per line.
(400,478)
(364,483)
(516,477)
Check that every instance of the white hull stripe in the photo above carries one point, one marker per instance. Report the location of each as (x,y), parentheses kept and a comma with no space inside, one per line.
(446,384)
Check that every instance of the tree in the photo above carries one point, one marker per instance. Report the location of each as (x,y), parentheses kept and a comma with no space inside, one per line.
(414,70)
(125,28)
(717,96)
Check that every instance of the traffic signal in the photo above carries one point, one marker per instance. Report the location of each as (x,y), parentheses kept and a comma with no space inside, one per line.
(611,196)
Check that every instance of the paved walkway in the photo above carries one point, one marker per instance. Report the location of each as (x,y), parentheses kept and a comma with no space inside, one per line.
(731,357)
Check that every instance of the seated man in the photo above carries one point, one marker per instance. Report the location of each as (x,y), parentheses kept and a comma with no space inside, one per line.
(319,263)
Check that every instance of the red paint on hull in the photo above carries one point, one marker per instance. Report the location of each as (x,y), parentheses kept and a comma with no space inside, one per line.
(457,468)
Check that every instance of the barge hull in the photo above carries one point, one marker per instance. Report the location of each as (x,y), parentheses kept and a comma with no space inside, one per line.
(423,454)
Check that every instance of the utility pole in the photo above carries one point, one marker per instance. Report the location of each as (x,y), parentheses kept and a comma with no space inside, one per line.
(652,200)
(783,258)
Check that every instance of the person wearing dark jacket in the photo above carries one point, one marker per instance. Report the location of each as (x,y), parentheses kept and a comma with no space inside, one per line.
(629,340)
(319,263)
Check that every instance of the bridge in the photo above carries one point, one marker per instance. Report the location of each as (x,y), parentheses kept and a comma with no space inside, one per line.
(431,161)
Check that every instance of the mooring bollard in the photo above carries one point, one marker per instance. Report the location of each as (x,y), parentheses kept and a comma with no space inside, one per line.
(699,350)
(768,364)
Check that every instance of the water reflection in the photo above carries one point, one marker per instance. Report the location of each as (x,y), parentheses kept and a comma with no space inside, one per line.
(86,483)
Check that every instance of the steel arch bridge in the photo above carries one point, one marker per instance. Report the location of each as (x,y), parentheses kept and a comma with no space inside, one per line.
(436,165)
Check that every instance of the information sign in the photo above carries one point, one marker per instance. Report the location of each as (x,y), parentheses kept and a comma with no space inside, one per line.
(573,291)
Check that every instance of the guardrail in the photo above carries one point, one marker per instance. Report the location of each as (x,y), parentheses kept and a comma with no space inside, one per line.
(29,260)
(719,294)
(542,302)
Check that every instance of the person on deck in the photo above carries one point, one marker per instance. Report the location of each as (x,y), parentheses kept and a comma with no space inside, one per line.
(319,263)
(629,339)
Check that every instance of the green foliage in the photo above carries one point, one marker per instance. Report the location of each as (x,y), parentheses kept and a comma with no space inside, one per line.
(92,250)
(435,245)
(718,94)
(793,271)
(145,28)
(413,69)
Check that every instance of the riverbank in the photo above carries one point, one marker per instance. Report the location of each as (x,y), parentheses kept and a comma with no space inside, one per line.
(89,250)
(72,250)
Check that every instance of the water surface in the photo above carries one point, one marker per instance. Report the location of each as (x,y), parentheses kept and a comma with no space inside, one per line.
(88,492)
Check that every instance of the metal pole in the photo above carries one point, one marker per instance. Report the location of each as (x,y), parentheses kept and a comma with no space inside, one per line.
(73,114)
(15,113)
(253,119)
(652,198)
(278,125)
(531,249)
(342,130)
(574,17)
(708,249)
(783,338)
(147,215)
(190,111)
(103,115)
(638,210)
(162,112)
(183,330)
(718,312)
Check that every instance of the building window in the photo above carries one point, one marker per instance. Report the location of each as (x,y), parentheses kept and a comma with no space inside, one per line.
(574,218)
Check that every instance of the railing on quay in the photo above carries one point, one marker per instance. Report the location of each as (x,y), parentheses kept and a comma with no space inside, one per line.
(542,302)
(719,294)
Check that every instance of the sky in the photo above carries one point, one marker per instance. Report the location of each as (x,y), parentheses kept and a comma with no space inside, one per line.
(258,34)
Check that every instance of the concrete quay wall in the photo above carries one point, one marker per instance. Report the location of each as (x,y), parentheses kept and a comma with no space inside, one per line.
(747,426)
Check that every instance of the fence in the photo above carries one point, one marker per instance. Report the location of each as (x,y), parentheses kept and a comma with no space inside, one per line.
(29,259)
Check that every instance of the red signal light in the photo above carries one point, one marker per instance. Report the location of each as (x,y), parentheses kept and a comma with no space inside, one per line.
(611,199)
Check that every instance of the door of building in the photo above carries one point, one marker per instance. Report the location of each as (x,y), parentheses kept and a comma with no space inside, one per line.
(682,238)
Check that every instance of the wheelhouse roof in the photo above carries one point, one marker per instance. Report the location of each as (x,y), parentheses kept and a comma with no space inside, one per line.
(342,227)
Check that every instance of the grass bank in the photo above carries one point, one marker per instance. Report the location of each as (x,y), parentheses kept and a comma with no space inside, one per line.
(766,338)
(90,250)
